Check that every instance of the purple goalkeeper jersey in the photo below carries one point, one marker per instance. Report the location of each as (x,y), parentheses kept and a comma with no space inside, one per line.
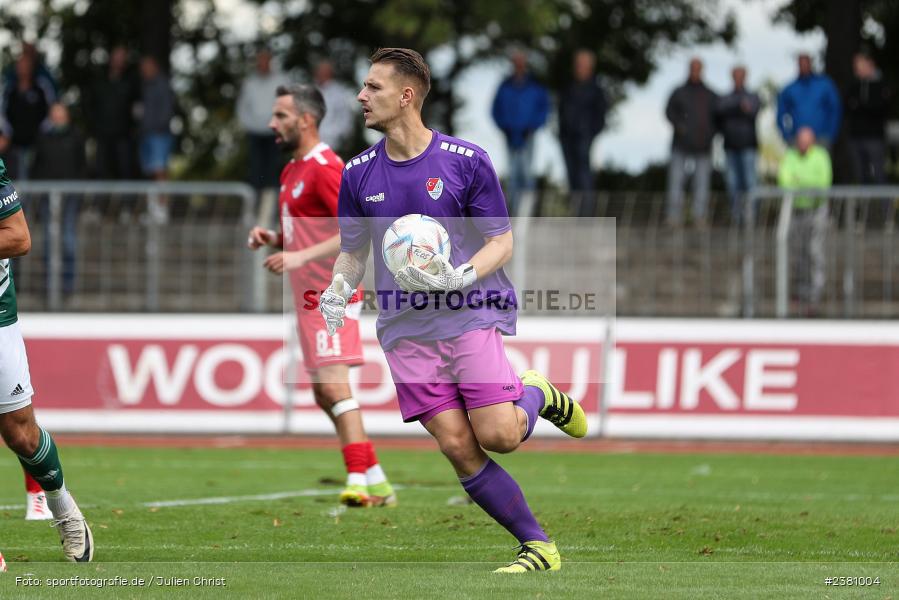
(452,181)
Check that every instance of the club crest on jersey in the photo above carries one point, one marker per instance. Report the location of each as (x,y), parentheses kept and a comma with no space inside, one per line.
(297,190)
(435,187)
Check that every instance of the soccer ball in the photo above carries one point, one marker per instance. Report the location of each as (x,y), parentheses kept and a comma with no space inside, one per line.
(415,240)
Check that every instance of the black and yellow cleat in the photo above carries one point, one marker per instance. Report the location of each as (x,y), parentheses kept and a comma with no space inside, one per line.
(534,556)
(558,408)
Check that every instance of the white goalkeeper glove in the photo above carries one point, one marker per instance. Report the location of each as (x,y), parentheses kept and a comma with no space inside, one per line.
(332,303)
(447,278)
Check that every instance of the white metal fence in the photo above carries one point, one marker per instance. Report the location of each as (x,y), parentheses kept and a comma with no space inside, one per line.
(858,262)
(138,246)
(180,247)
(731,267)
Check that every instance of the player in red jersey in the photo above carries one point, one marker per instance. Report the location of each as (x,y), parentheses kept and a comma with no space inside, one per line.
(310,241)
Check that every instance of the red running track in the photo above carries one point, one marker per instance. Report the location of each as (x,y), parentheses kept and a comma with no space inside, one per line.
(537,445)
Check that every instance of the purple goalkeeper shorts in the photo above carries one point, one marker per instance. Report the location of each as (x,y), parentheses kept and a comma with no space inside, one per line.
(465,372)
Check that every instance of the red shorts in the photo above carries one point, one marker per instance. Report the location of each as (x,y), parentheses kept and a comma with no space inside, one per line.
(321,350)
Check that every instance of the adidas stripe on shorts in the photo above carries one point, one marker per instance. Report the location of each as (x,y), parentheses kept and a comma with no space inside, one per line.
(15,379)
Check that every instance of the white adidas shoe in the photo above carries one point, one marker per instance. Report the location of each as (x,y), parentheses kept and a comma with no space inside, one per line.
(36,507)
(75,535)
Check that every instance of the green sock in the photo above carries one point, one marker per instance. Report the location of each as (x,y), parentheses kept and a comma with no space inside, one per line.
(44,466)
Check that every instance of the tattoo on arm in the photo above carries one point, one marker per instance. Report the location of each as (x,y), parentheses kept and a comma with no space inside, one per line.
(352,265)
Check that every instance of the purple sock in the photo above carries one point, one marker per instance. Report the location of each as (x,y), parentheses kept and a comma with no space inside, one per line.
(531,401)
(496,492)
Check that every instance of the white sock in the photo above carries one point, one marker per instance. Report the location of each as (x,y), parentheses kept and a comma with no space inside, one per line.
(60,502)
(355,479)
(375,475)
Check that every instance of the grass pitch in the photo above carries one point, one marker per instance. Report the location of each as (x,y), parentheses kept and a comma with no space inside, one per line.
(627,525)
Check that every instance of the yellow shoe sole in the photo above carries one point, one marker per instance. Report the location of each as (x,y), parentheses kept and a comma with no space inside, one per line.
(354,499)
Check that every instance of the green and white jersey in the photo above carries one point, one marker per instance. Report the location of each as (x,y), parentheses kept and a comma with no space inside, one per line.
(9,205)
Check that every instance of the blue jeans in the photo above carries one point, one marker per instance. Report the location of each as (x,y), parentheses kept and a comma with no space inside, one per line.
(521,178)
(580,178)
(740,178)
(71,207)
(265,161)
(18,160)
(677,172)
(155,149)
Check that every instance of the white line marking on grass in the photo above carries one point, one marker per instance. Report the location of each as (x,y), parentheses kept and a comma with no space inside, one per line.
(233,499)
(250,498)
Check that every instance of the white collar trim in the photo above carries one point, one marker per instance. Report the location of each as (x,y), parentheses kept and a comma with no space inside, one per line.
(317,149)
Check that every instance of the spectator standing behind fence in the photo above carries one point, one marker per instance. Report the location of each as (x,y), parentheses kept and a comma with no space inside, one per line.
(156,113)
(110,109)
(582,116)
(691,111)
(810,101)
(59,154)
(254,110)
(736,114)
(867,102)
(25,105)
(336,128)
(520,108)
(42,76)
(803,167)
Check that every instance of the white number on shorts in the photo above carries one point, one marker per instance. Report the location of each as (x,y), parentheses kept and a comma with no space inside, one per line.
(326,345)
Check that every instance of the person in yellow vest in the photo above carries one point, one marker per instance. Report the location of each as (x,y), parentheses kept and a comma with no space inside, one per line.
(805,166)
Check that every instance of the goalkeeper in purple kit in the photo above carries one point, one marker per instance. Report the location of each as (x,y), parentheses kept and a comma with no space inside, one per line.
(448,363)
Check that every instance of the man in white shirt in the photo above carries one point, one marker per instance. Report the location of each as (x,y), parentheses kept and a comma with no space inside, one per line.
(337,126)
(254,110)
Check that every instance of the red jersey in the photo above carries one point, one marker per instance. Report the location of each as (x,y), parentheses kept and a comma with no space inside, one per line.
(308,208)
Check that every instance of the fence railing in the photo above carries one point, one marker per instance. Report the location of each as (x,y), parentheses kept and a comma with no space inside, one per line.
(139,246)
(177,247)
(732,267)
(842,264)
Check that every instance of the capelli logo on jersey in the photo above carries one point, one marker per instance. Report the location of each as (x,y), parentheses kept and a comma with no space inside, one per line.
(435,187)
(297,190)
(376,198)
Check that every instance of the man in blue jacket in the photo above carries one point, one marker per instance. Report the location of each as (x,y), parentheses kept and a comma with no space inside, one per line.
(520,108)
(811,101)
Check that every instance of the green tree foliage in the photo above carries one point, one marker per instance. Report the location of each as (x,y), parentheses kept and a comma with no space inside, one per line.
(208,62)
(628,37)
(850,26)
